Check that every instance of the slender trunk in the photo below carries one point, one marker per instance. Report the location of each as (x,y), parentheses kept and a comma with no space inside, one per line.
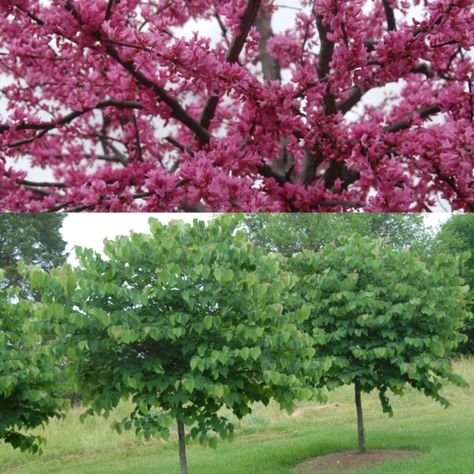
(182,444)
(360,419)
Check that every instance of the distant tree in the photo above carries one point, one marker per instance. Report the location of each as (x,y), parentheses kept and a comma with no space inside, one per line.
(291,233)
(29,378)
(384,316)
(33,238)
(457,237)
(183,322)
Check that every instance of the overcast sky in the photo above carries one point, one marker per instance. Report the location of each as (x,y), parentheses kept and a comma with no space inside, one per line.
(90,230)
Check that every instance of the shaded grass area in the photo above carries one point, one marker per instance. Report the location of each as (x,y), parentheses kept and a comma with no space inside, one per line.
(272,442)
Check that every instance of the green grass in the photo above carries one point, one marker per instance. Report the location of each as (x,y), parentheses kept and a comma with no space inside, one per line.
(272,442)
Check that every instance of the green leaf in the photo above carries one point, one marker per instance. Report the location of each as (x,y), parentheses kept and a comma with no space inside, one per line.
(305,394)
(303,313)
(275,378)
(83,345)
(214,356)
(207,321)
(255,352)
(189,385)
(244,353)
(381,352)
(218,274)
(227,276)
(218,390)
(194,363)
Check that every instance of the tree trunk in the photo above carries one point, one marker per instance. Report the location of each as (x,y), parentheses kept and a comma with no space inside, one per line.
(360,419)
(182,444)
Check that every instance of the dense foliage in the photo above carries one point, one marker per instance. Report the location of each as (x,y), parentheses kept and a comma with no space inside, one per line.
(183,322)
(135,105)
(29,377)
(385,318)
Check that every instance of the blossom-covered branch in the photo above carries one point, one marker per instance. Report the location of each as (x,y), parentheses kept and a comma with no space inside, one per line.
(232,55)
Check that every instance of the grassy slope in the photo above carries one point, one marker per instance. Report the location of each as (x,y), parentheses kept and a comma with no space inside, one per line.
(269,441)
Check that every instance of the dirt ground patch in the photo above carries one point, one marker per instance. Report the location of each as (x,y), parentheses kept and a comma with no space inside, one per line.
(352,460)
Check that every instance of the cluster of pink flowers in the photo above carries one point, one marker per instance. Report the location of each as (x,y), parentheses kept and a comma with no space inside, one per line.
(127,112)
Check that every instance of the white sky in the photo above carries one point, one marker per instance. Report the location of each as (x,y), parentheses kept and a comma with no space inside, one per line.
(90,230)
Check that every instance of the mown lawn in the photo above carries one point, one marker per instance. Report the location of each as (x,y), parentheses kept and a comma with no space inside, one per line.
(272,442)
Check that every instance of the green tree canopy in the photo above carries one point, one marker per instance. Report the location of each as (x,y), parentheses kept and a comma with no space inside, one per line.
(292,233)
(184,321)
(29,377)
(385,317)
(33,238)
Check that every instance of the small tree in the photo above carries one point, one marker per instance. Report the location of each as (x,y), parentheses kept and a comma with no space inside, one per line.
(183,322)
(385,318)
(29,377)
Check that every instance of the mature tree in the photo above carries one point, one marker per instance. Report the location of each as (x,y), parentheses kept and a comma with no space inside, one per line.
(291,233)
(387,319)
(457,237)
(29,378)
(32,238)
(182,322)
(129,111)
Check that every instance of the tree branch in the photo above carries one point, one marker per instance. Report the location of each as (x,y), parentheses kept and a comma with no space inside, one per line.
(356,92)
(407,122)
(138,152)
(248,19)
(45,127)
(355,96)
(26,182)
(73,115)
(178,112)
(108,13)
(232,56)
(402,124)
(270,67)
(267,171)
(280,168)
(390,14)
(324,61)
(312,159)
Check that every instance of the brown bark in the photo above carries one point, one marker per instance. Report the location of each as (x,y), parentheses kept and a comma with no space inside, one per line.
(183,462)
(360,419)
